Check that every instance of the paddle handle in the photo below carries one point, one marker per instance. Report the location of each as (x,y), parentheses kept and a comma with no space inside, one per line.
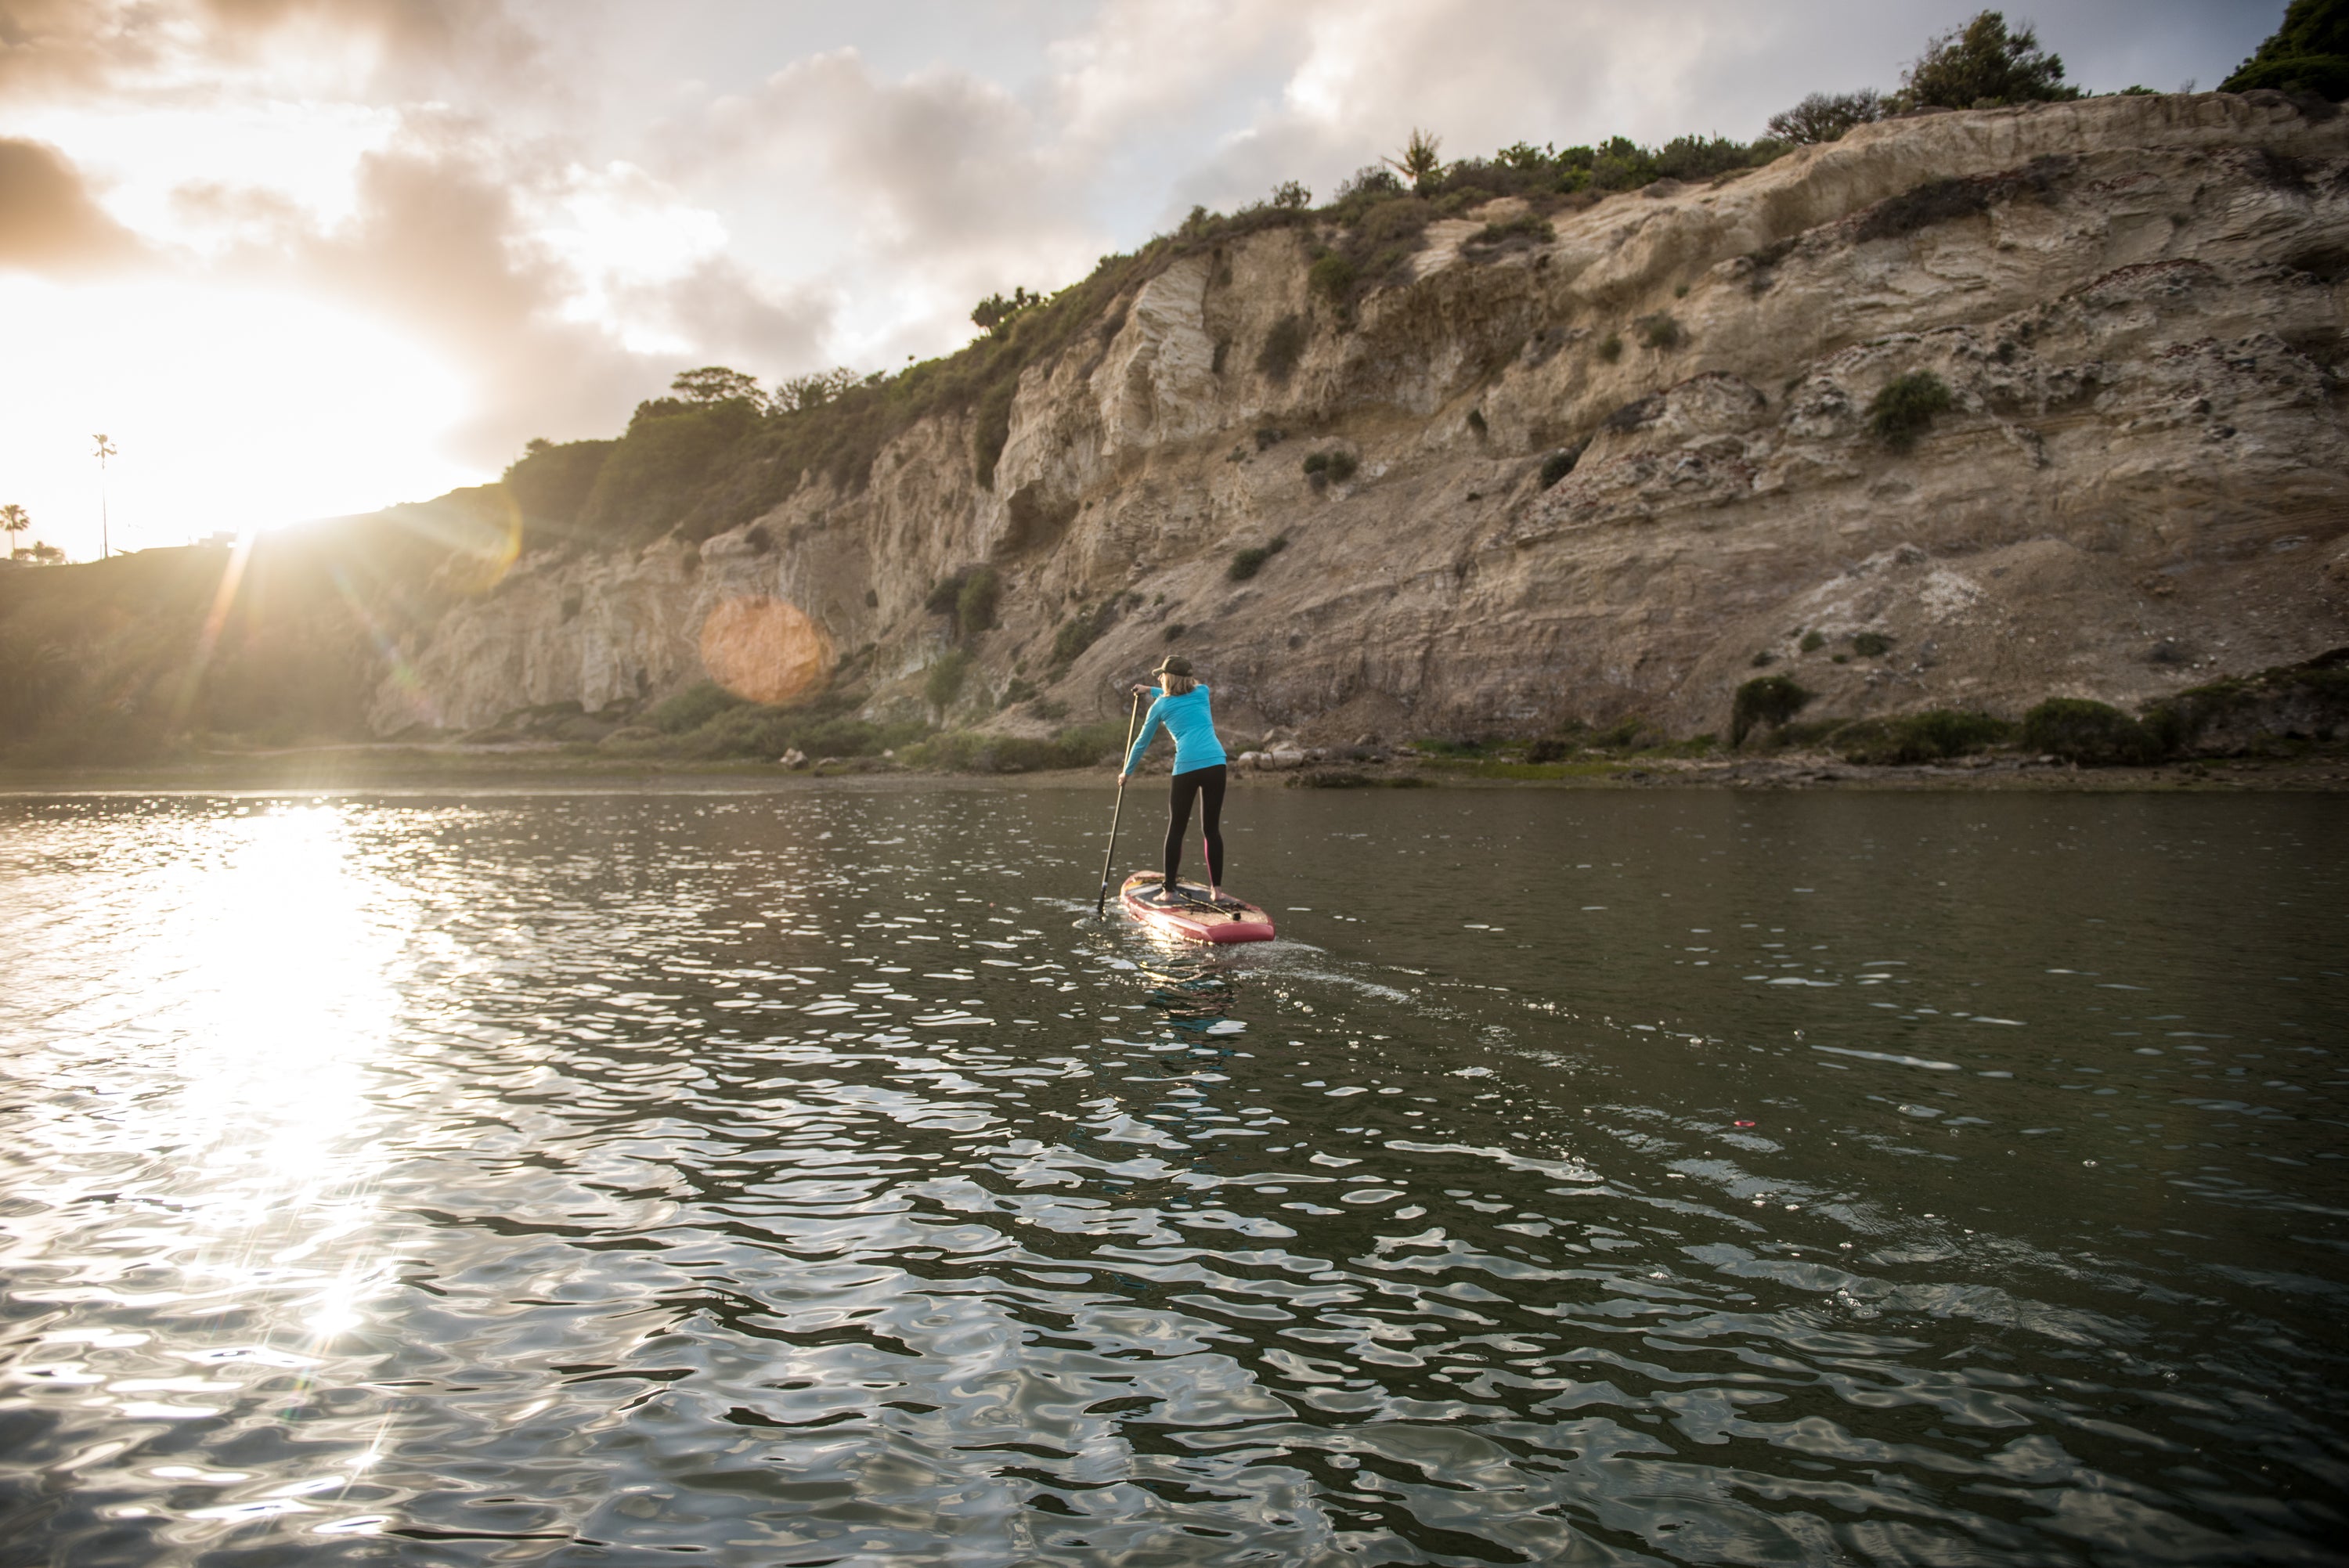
(1109,850)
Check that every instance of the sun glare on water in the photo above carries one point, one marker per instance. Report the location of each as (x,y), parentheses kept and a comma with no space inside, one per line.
(264,996)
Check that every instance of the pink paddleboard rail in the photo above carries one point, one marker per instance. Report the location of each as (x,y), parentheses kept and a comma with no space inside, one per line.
(1248,923)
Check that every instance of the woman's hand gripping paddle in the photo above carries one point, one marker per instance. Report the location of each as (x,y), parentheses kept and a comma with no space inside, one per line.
(1109,852)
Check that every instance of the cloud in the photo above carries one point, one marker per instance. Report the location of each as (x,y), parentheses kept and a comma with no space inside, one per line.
(443,245)
(48,223)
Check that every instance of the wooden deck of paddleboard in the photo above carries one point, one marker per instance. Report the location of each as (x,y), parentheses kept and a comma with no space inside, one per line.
(1192,920)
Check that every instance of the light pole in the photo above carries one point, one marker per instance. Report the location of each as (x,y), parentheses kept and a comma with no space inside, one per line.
(105,450)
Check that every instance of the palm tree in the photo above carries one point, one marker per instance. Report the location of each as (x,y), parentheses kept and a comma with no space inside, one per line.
(105,450)
(12,520)
(1419,162)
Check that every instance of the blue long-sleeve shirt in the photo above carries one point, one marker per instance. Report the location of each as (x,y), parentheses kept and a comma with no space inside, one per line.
(1189,720)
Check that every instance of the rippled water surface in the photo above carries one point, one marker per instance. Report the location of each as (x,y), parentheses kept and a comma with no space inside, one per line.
(796,1177)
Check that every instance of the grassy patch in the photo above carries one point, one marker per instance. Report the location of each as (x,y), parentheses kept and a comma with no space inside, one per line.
(966,751)
(2091,734)
(1917,738)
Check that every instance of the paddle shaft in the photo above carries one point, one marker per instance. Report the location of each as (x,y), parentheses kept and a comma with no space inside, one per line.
(1109,850)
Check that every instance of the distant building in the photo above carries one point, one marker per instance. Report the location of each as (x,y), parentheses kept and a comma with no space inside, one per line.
(225,539)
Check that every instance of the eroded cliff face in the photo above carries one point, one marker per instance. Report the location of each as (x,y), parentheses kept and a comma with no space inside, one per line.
(2137,304)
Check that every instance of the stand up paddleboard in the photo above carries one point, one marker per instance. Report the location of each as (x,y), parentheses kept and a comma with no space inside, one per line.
(1192,917)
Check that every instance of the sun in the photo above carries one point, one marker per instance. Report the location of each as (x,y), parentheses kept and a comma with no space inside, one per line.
(234,408)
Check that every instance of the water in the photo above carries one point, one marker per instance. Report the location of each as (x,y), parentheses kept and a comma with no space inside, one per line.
(791,1178)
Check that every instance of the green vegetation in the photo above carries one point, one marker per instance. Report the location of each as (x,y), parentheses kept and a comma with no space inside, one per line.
(1529,228)
(1871,644)
(2275,709)
(1919,737)
(1560,464)
(2308,54)
(708,723)
(966,751)
(2091,734)
(1906,408)
(1335,467)
(1812,642)
(1284,346)
(995,312)
(1080,631)
(943,683)
(1983,65)
(1825,117)
(975,601)
(1769,700)
(1245,564)
(1420,163)
(1611,347)
(1660,331)
(1332,276)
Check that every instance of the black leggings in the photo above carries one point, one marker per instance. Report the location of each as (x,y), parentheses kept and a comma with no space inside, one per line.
(1207,785)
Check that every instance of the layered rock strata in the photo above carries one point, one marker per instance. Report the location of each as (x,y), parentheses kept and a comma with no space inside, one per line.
(2136,305)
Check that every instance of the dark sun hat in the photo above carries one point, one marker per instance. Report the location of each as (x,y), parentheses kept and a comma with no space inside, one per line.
(1173,664)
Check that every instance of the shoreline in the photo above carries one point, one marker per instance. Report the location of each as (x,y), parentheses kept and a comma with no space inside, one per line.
(348,768)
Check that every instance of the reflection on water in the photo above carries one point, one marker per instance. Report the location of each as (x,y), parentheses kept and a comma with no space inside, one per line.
(797,1177)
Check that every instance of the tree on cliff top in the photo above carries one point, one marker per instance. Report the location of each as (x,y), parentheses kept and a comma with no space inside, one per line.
(14,520)
(1982,64)
(995,312)
(1420,160)
(2308,54)
(1825,117)
(715,384)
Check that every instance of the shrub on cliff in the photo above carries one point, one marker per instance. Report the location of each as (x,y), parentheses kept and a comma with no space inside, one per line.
(2308,54)
(1769,700)
(2093,734)
(549,483)
(1284,346)
(1080,631)
(1560,464)
(1660,331)
(1246,563)
(1325,469)
(1982,64)
(1906,408)
(1825,117)
(650,478)
(691,708)
(975,601)
(943,683)
(1332,276)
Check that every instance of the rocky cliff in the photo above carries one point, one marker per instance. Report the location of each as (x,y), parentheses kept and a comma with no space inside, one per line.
(1599,471)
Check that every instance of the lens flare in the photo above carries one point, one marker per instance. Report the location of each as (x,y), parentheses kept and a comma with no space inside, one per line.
(764,649)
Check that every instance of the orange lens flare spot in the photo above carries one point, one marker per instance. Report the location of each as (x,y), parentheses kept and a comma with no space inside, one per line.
(764,649)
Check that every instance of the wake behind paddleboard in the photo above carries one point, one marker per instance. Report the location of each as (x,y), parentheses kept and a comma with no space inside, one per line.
(1192,917)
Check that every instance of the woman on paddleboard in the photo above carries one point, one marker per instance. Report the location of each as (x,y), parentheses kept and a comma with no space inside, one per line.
(1180,702)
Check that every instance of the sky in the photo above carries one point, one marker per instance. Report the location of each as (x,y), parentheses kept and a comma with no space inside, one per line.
(302,258)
